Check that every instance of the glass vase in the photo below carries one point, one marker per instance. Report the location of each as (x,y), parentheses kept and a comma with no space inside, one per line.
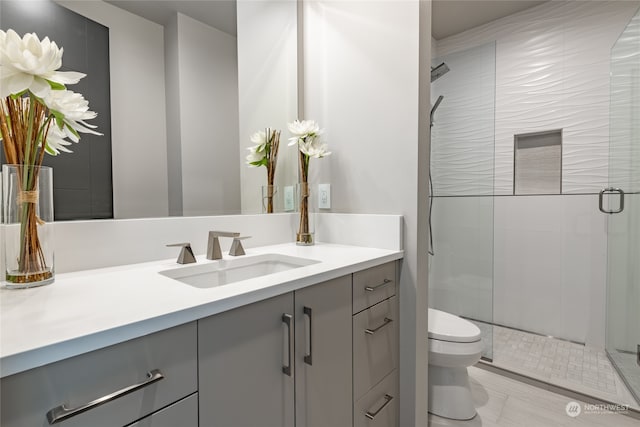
(307,209)
(27,207)
(269,194)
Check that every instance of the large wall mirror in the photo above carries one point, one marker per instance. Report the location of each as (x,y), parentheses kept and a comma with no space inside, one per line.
(189,83)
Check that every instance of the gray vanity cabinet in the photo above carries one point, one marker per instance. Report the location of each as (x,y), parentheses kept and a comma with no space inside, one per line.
(252,357)
(135,378)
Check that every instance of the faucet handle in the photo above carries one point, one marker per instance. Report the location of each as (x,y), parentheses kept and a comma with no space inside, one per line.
(186,253)
(236,246)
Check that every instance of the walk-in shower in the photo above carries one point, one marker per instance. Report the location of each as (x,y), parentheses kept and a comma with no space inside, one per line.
(550,280)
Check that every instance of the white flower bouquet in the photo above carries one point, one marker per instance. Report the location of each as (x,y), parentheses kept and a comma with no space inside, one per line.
(38,115)
(264,152)
(307,136)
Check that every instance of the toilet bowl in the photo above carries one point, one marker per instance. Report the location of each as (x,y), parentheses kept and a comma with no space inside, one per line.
(454,344)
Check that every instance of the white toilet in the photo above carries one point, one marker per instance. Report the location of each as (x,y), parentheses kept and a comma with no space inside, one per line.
(454,344)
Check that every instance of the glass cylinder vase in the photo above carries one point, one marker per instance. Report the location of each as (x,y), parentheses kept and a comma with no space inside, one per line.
(269,197)
(27,203)
(307,208)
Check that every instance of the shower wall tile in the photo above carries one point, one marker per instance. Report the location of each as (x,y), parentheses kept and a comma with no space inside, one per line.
(462,137)
(550,266)
(552,72)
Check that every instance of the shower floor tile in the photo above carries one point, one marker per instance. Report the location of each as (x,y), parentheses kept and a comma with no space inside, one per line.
(626,362)
(565,364)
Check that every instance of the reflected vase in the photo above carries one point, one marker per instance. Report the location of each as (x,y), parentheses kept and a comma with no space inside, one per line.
(269,194)
(27,208)
(306,229)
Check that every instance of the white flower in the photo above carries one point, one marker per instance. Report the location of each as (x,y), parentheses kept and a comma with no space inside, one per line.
(56,140)
(302,130)
(307,135)
(74,108)
(259,138)
(31,64)
(315,149)
(258,153)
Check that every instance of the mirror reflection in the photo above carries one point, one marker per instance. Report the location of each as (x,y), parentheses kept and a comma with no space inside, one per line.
(189,83)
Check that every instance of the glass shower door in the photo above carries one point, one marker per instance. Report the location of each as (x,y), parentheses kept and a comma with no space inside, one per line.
(623,194)
(462,182)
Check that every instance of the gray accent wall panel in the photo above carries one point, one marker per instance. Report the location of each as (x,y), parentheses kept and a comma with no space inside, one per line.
(82,179)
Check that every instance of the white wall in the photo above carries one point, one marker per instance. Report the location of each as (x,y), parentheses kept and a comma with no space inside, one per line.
(137,109)
(361,83)
(267,87)
(174,128)
(549,259)
(208,100)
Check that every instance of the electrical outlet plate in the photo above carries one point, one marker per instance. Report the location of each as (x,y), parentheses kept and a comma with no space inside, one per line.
(324,196)
(288,199)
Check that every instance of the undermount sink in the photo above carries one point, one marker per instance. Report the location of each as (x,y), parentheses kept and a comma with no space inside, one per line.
(226,271)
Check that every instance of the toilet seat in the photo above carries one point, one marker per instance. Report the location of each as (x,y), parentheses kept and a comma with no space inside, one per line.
(448,327)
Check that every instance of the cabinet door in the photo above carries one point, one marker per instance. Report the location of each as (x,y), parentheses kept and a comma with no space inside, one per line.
(323,354)
(241,356)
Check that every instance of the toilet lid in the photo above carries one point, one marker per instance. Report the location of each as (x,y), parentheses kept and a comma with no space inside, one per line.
(448,327)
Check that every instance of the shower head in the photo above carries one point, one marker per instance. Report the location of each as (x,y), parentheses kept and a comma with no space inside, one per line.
(439,71)
(434,108)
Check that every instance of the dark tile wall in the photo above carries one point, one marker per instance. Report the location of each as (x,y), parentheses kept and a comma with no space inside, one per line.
(82,180)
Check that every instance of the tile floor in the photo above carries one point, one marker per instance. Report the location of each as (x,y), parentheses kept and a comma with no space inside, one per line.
(504,402)
(573,366)
(627,363)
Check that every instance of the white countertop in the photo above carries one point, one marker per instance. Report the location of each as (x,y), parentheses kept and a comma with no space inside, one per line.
(92,309)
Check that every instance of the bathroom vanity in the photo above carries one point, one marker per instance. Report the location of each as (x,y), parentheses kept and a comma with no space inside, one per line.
(314,345)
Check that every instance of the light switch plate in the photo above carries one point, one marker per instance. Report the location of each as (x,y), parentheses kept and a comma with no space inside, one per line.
(288,199)
(324,196)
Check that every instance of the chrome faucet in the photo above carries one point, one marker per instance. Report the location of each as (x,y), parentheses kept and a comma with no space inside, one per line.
(186,253)
(213,246)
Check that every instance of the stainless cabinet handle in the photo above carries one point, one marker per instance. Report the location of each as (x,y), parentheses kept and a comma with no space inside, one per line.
(308,357)
(62,413)
(372,415)
(375,288)
(373,331)
(610,190)
(286,366)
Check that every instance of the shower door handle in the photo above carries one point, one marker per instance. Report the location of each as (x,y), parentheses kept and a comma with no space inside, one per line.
(610,190)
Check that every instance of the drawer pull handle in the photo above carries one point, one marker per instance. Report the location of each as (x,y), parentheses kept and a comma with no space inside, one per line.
(308,357)
(373,331)
(62,413)
(375,288)
(372,415)
(286,367)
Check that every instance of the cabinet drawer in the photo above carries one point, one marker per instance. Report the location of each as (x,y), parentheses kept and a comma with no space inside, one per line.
(373,285)
(26,397)
(379,407)
(183,413)
(375,345)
